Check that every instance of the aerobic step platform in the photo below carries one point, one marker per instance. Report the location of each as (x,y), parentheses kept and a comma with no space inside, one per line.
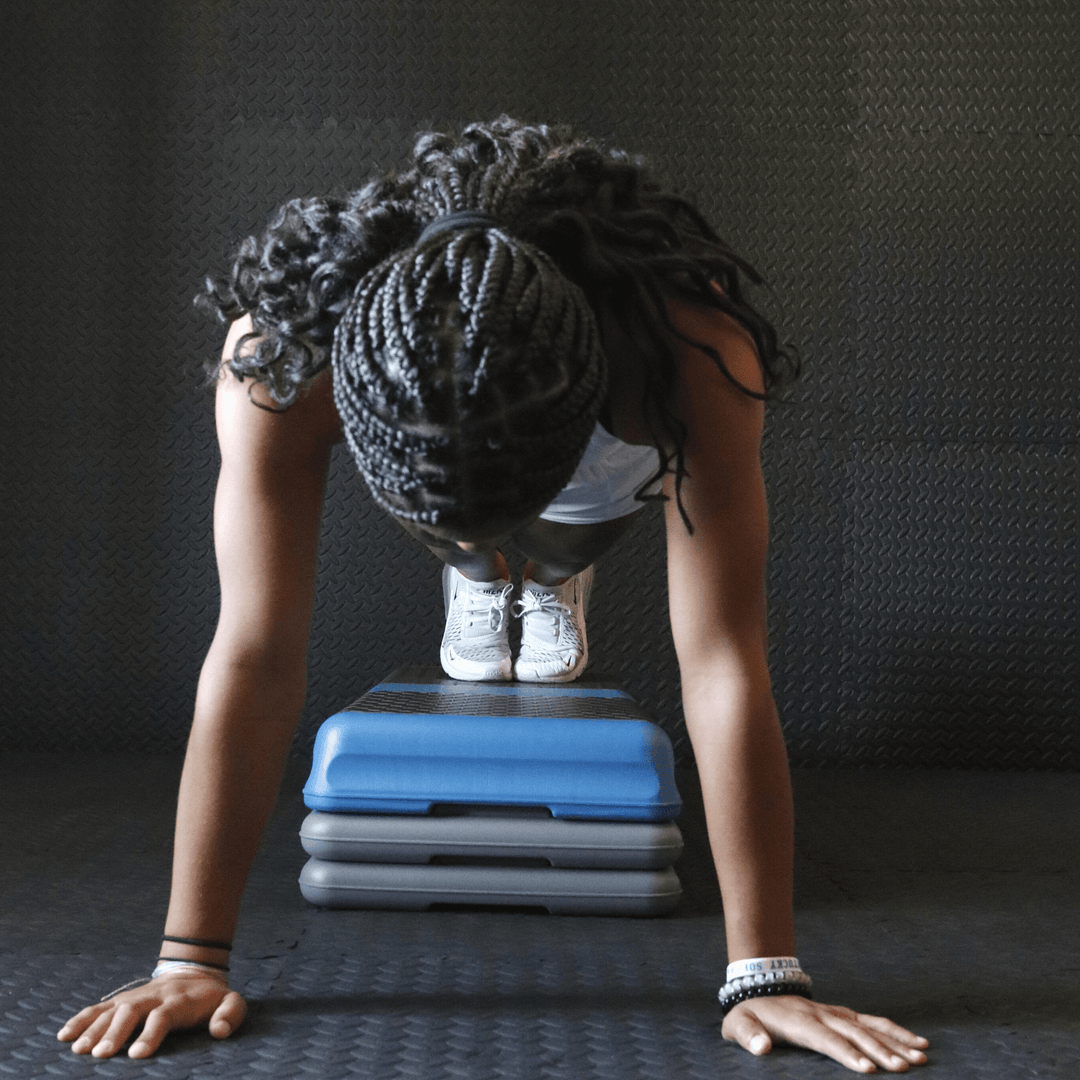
(420,741)
(427,791)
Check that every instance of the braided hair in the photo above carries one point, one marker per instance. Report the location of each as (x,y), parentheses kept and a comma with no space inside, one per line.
(468,375)
(468,367)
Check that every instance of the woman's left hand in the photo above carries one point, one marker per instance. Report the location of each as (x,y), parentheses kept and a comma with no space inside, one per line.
(861,1042)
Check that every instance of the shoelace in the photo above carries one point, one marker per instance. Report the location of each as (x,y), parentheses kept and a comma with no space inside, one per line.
(545,603)
(480,605)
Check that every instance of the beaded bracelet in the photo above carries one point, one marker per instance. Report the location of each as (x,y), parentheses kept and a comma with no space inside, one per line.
(768,990)
(764,977)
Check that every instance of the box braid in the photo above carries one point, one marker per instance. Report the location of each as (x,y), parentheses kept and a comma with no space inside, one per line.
(468,369)
(468,375)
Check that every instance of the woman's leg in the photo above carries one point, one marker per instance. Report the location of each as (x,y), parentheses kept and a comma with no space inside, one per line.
(555,595)
(553,602)
(477,562)
(557,551)
(477,596)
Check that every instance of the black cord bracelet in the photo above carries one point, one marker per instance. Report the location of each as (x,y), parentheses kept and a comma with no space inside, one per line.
(199,942)
(197,963)
(765,990)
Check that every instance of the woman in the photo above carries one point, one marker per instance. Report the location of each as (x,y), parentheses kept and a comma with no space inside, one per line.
(521,337)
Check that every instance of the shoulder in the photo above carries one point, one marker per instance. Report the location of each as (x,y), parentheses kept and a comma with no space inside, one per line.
(700,389)
(250,422)
(717,404)
(726,336)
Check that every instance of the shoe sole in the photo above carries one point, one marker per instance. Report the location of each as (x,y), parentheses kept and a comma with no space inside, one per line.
(503,673)
(570,676)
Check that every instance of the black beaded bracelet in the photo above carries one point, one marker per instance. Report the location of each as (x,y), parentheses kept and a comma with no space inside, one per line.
(765,990)
(201,943)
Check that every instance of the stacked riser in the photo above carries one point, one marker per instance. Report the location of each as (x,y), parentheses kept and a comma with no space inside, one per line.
(430,791)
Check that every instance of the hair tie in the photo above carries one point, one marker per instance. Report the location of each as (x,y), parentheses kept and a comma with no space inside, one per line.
(458,219)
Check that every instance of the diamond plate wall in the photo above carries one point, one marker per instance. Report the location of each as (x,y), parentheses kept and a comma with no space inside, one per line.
(904,172)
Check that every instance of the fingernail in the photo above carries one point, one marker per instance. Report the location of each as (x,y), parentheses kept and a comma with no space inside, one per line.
(758,1044)
(866,1065)
(80,1044)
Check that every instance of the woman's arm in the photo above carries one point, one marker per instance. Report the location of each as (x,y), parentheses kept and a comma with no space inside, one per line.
(716,584)
(250,695)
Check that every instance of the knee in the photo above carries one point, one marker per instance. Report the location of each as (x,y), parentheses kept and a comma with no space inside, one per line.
(561,564)
(566,550)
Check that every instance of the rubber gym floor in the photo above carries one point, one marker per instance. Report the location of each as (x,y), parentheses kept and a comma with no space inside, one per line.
(946,900)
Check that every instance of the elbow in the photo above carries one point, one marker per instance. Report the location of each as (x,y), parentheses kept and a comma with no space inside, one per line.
(265,682)
(726,684)
(738,662)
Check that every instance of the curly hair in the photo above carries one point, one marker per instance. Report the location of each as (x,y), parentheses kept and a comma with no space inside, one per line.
(468,367)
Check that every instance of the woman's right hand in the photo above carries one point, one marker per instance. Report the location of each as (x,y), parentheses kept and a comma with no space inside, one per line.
(861,1042)
(177,999)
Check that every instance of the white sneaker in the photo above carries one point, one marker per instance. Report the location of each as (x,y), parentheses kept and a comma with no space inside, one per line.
(553,643)
(474,644)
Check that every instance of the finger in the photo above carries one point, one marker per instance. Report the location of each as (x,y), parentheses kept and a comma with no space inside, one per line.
(826,1041)
(897,1039)
(90,1035)
(158,1025)
(881,1049)
(748,1031)
(886,1027)
(811,1025)
(81,1021)
(911,1054)
(124,1022)
(228,1016)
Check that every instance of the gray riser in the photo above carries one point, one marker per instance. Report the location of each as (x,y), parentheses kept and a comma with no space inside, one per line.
(392,838)
(562,892)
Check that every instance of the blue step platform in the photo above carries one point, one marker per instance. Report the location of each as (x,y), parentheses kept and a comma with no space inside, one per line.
(420,742)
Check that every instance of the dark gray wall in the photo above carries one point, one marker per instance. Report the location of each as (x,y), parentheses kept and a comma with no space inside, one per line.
(904,173)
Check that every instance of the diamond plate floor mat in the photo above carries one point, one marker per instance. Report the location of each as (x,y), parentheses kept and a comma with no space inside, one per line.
(945,900)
